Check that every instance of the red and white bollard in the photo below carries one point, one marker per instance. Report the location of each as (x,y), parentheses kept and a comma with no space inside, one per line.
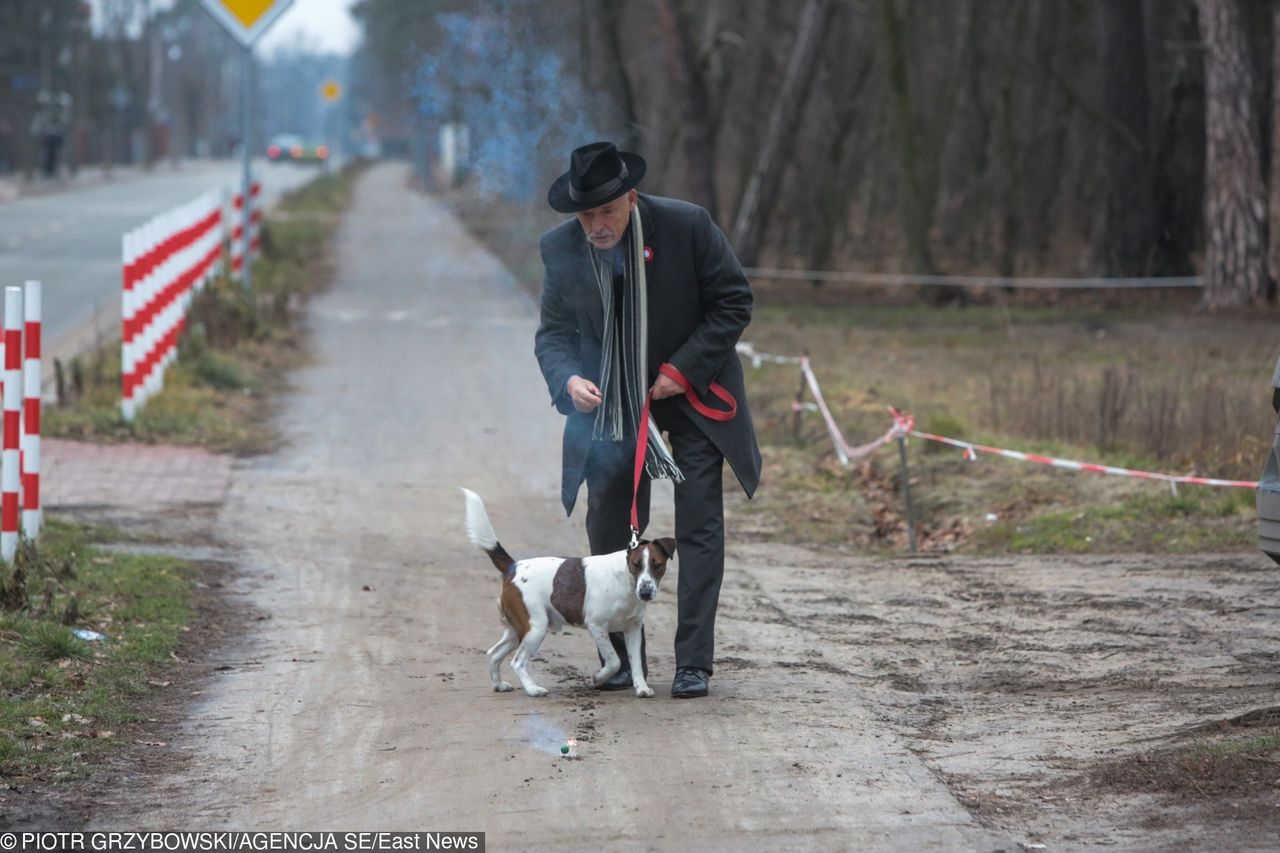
(31,513)
(255,218)
(236,222)
(10,460)
(236,239)
(132,250)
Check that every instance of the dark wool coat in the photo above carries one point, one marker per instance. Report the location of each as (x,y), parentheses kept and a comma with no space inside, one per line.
(699,304)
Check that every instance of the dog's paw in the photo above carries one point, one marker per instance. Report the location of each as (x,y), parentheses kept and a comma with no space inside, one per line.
(602,675)
(502,687)
(535,690)
(644,692)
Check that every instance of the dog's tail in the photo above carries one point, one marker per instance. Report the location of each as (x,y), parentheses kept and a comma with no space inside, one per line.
(480,532)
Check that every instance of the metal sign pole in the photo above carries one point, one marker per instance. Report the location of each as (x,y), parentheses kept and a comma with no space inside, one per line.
(246,123)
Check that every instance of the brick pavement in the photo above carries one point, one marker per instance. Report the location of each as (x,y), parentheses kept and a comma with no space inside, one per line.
(76,473)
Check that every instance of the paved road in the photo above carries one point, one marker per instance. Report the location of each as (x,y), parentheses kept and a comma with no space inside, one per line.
(362,701)
(70,240)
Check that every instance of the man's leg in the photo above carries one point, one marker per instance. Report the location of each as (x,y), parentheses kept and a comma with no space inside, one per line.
(699,546)
(610,473)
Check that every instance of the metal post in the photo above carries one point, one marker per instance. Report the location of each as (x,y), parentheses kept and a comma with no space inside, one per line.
(246,125)
(796,411)
(906,492)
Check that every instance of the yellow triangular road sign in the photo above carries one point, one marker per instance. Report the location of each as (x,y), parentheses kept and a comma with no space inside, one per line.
(246,20)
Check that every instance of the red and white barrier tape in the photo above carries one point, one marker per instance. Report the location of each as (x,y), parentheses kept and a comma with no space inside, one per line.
(905,425)
(844,452)
(746,350)
(971,450)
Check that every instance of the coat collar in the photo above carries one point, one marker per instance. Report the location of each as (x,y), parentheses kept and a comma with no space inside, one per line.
(646,219)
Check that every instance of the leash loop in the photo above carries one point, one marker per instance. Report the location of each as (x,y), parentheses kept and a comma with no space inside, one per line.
(673,373)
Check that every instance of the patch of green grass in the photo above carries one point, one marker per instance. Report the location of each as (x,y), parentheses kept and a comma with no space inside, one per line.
(63,699)
(1185,523)
(54,642)
(1258,745)
(1051,533)
(192,409)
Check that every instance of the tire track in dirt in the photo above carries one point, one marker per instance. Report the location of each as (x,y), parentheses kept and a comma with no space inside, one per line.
(1010,677)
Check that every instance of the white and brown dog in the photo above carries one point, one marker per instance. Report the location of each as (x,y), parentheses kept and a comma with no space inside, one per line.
(602,594)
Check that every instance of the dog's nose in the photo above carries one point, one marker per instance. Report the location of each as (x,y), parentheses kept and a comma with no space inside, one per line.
(647,593)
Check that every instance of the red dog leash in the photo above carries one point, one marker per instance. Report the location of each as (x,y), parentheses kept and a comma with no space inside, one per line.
(642,444)
(673,373)
(642,439)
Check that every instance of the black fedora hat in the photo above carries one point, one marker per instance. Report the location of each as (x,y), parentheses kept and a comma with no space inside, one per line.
(598,173)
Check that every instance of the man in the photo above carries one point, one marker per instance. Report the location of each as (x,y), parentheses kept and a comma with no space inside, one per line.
(635,283)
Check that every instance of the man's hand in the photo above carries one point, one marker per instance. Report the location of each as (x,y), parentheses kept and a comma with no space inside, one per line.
(584,393)
(666,387)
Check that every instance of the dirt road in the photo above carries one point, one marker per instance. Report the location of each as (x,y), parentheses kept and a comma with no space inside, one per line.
(857,704)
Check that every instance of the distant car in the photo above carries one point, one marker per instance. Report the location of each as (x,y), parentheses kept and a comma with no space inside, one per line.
(296,149)
(1269,486)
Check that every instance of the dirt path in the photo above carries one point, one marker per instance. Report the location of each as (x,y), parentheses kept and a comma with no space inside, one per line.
(857,704)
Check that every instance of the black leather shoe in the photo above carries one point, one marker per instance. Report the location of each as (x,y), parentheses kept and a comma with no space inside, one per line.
(690,683)
(621,680)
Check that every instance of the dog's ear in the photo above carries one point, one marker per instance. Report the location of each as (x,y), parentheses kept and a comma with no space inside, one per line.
(667,545)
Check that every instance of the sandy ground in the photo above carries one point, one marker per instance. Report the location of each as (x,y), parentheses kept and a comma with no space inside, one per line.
(857,704)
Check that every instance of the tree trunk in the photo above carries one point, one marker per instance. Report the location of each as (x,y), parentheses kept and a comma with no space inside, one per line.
(1011,154)
(1125,239)
(1177,142)
(620,87)
(695,107)
(921,147)
(1273,253)
(1046,120)
(912,206)
(762,187)
(844,155)
(1235,204)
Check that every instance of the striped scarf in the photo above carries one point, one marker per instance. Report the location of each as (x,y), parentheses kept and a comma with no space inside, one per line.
(623,381)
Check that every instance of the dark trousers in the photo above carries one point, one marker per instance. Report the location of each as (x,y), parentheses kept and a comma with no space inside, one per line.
(699,505)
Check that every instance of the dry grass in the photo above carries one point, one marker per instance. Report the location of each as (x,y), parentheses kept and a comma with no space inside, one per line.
(1168,391)
(1199,409)
(1188,391)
